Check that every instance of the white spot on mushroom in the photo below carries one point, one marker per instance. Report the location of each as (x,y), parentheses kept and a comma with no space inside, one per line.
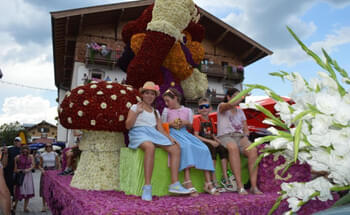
(138,98)
(121,118)
(114,97)
(61,110)
(93,82)
(80,113)
(99,93)
(94,86)
(122,91)
(129,88)
(71,104)
(109,86)
(81,91)
(93,122)
(86,102)
(68,94)
(69,120)
(109,82)
(128,105)
(103,105)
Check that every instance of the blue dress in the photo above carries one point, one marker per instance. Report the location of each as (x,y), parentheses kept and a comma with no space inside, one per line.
(141,134)
(194,153)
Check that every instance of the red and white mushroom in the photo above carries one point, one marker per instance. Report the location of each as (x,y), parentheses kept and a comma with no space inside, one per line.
(99,110)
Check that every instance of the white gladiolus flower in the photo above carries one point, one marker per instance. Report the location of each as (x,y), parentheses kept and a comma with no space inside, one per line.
(294,204)
(320,124)
(323,186)
(342,116)
(279,143)
(327,81)
(282,107)
(326,103)
(273,130)
(268,122)
(314,83)
(318,140)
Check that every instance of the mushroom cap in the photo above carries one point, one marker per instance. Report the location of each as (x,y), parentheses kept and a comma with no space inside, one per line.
(101,106)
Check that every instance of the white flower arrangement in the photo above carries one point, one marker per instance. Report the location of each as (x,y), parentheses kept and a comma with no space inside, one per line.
(172,17)
(314,130)
(195,86)
(98,167)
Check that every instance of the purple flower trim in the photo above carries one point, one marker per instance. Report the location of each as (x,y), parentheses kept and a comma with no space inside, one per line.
(188,55)
(65,200)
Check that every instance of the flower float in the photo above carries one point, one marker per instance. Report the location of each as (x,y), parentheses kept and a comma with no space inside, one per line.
(165,37)
(99,110)
(315,131)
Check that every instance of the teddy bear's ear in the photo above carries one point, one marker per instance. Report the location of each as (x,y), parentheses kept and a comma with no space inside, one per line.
(197,31)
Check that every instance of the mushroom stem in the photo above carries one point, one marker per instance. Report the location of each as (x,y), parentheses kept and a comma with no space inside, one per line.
(98,167)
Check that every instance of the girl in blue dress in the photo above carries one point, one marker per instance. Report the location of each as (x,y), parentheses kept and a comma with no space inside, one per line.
(146,132)
(194,153)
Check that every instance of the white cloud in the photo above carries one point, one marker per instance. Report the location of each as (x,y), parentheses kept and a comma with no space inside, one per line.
(295,54)
(27,109)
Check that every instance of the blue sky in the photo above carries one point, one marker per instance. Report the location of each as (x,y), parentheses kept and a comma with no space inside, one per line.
(26,46)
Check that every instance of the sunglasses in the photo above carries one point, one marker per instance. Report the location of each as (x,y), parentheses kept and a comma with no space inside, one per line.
(204,106)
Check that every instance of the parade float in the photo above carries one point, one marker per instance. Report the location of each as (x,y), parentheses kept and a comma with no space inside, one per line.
(165,42)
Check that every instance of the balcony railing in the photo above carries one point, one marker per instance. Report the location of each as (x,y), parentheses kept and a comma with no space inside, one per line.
(223,72)
(95,57)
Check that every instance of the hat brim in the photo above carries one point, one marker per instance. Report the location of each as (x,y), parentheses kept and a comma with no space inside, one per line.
(141,90)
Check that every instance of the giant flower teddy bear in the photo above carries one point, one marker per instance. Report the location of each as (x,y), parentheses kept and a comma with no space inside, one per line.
(166,42)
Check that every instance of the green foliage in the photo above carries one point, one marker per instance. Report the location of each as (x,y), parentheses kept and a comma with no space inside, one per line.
(8,132)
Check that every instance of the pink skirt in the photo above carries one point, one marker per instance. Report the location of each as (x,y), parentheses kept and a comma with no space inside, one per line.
(26,190)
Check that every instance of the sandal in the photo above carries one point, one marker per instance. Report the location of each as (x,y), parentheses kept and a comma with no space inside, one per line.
(227,185)
(194,192)
(242,191)
(211,191)
(256,191)
(218,188)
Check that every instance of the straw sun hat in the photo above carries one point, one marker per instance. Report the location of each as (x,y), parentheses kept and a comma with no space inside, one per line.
(150,85)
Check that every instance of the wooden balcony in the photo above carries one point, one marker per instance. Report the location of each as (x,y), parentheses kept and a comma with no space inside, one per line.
(222,72)
(95,57)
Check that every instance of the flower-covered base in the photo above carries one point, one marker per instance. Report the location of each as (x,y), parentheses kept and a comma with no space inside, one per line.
(98,167)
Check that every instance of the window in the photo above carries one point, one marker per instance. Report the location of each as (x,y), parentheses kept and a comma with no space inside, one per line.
(205,61)
(224,63)
(43,130)
(96,74)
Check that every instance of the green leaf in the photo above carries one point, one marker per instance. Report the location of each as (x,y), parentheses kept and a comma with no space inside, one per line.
(275,120)
(240,95)
(301,115)
(276,205)
(342,201)
(307,50)
(260,157)
(297,139)
(287,167)
(262,140)
(337,189)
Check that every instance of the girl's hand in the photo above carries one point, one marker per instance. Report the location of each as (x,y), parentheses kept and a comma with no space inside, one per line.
(175,124)
(214,143)
(139,108)
(173,141)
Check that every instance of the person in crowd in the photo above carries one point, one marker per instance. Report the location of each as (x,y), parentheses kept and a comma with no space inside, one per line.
(24,162)
(9,169)
(233,134)
(146,132)
(70,156)
(49,160)
(193,152)
(5,198)
(203,128)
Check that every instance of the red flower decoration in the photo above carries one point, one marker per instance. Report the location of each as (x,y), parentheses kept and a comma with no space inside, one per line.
(102,106)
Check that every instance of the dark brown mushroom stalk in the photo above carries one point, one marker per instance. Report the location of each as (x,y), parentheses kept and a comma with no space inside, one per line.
(99,110)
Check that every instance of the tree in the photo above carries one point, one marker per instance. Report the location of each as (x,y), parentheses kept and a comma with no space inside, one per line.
(8,132)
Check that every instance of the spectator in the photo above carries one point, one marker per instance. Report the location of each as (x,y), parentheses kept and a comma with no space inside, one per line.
(49,160)
(24,162)
(8,170)
(5,198)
